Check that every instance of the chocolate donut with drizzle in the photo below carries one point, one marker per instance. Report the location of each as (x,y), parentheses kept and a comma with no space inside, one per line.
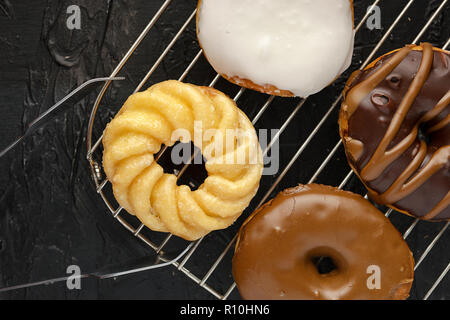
(394,124)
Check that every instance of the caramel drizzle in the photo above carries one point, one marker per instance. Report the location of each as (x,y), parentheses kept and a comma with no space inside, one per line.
(383,158)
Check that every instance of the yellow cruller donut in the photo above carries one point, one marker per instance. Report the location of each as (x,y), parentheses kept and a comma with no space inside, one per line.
(159,116)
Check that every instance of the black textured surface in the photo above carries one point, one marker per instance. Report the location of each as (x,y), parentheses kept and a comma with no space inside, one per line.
(50,214)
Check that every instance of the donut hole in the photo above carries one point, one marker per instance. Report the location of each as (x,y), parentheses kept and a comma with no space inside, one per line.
(174,160)
(326,261)
(325,265)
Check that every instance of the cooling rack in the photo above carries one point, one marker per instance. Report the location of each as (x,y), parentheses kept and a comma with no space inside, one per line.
(223,254)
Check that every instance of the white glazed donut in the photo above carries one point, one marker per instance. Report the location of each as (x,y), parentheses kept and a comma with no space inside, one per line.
(280,47)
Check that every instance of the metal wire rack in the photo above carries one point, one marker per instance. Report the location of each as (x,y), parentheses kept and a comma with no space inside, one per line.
(94,154)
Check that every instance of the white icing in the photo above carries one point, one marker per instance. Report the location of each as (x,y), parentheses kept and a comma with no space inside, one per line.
(295,45)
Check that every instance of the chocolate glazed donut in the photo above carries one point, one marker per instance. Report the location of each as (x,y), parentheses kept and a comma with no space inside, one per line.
(394,123)
(283,247)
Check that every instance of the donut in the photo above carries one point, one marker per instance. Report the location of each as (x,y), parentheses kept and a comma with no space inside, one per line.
(316,242)
(394,124)
(284,47)
(168,112)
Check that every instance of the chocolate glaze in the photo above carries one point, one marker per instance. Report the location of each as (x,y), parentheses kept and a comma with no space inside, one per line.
(277,246)
(395,127)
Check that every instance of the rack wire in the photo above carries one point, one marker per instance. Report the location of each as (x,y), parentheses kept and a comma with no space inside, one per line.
(100,184)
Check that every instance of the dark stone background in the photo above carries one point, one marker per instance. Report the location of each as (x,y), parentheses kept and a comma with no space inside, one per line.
(50,215)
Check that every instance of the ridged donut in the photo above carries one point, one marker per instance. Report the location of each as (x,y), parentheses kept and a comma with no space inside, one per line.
(155,117)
